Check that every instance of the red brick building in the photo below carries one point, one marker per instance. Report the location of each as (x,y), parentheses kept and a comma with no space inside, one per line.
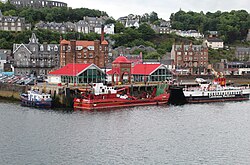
(190,57)
(83,52)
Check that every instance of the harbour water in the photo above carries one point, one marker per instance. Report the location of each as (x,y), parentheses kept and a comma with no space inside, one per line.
(215,133)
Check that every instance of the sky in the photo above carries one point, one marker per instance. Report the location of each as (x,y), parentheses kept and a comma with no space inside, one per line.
(164,8)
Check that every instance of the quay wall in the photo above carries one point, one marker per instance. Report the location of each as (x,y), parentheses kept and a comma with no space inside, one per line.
(10,91)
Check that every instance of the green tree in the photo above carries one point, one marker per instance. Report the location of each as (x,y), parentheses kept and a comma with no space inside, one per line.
(146,31)
(119,27)
(153,17)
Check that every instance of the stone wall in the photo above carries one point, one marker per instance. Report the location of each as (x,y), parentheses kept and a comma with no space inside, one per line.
(11,91)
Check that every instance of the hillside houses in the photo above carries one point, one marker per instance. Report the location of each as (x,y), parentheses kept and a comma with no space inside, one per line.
(13,23)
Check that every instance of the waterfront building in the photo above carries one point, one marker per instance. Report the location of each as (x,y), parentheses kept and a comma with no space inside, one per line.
(123,71)
(233,68)
(77,74)
(242,53)
(3,60)
(214,43)
(9,60)
(37,3)
(85,52)
(35,58)
(190,57)
(11,23)
(151,73)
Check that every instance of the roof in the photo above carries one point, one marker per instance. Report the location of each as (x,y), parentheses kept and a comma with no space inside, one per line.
(214,40)
(104,42)
(70,70)
(139,69)
(79,43)
(145,69)
(121,59)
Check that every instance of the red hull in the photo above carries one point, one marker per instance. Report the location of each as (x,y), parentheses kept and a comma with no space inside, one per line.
(96,104)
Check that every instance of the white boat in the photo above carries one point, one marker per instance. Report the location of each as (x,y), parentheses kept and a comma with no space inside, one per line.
(215,91)
(36,99)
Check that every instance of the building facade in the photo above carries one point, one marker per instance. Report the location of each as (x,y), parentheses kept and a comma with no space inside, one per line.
(53,26)
(189,33)
(242,53)
(214,43)
(190,57)
(248,35)
(9,59)
(3,60)
(84,52)
(35,58)
(37,3)
(77,74)
(10,23)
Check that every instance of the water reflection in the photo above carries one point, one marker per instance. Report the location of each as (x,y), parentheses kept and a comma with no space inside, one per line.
(189,134)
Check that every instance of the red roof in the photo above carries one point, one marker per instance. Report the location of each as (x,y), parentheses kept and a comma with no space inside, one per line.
(113,71)
(121,59)
(104,42)
(70,70)
(144,69)
(139,69)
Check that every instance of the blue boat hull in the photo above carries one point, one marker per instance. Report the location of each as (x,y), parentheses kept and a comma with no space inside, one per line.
(36,104)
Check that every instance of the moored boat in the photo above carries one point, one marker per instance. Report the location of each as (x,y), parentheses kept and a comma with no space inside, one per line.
(216,91)
(100,96)
(36,99)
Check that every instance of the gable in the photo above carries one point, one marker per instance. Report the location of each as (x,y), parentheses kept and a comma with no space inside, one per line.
(20,47)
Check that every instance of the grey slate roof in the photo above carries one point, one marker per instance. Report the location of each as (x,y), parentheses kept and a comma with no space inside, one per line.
(214,40)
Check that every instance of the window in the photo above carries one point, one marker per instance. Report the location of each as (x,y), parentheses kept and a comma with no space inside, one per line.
(90,55)
(41,48)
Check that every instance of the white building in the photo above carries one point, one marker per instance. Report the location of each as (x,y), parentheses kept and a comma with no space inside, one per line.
(214,43)
(108,29)
(189,33)
(3,60)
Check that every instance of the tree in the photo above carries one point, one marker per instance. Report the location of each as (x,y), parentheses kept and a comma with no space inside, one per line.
(153,17)
(110,21)
(119,27)
(152,55)
(146,31)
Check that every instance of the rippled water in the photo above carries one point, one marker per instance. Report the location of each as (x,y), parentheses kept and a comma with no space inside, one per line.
(189,134)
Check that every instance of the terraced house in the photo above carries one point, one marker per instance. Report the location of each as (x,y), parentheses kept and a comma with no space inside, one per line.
(193,58)
(10,23)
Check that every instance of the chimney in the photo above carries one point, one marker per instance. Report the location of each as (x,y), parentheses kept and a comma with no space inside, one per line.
(102,33)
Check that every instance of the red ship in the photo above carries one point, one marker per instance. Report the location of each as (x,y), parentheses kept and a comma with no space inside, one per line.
(100,96)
